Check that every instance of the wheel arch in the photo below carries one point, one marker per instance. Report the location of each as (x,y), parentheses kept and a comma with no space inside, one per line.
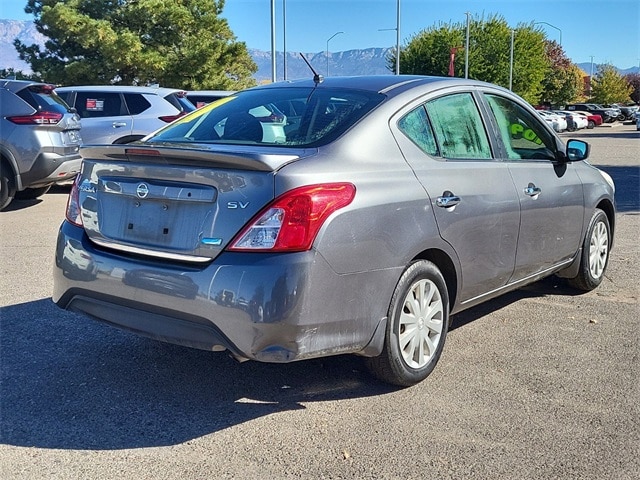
(8,162)
(447,267)
(607,207)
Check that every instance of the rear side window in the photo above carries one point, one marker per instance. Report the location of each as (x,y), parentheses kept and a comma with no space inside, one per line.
(99,104)
(416,126)
(136,103)
(458,127)
(180,102)
(43,98)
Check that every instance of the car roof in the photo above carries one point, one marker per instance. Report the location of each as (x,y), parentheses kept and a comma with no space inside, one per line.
(121,88)
(388,84)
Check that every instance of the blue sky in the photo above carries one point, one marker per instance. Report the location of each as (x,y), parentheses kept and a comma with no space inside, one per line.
(608,30)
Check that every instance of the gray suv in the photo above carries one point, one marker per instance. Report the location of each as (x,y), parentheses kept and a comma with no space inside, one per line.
(121,114)
(39,140)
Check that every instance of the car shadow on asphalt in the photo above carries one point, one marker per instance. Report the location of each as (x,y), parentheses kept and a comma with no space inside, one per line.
(72,383)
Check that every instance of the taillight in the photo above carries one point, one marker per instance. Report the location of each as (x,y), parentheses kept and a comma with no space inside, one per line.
(171,118)
(292,221)
(73,213)
(38,118)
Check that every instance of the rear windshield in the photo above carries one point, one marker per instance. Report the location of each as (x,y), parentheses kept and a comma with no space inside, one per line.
(43,98)
(287,116)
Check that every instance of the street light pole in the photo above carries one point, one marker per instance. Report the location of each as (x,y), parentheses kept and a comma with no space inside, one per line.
(511,62)
(590,77)
(552,26)
(398,39)
(466,49)
(284,37)
(337,33)
(273,41)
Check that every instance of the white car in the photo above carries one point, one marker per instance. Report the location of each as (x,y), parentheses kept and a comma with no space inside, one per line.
(558,122)
(637,114)
(575,121)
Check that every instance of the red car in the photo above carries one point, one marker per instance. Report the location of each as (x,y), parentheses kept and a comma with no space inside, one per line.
(592,119)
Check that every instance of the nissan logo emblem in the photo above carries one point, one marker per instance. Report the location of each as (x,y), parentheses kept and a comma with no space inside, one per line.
(142,190)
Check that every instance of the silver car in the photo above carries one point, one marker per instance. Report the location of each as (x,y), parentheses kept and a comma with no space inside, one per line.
(392,203)
(39,140)
(124,114)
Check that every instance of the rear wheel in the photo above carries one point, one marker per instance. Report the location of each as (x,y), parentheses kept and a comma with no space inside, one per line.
(595,253)
(417,327)
(591,124)
(31,193)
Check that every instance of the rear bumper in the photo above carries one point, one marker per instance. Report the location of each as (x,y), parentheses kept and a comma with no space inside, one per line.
(50,168)
(269,308)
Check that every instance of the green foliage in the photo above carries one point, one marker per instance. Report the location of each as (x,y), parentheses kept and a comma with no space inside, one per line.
(18,75)
(609,86)
(428,53)
(177,43)
(564,82)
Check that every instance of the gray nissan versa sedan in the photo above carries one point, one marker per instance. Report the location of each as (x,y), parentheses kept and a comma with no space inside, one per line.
(386,204)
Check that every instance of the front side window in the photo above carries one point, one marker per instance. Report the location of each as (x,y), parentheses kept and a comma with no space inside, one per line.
(458,127)
(523,135)
(253,117)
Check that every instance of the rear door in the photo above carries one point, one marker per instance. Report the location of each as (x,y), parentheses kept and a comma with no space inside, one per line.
(105,117)
(550,192)
(471,194)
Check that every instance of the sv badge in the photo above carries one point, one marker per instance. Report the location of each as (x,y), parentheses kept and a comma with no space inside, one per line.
(235,205)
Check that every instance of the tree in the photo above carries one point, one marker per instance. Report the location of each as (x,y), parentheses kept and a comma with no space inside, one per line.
(18,74)
(609,86)
(564,82)
(633,79)
(427,53)
(177,43)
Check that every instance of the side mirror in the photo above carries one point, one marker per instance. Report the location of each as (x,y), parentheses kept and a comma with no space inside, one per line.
(577,150)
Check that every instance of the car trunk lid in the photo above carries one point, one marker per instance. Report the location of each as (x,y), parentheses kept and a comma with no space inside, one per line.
(182,203)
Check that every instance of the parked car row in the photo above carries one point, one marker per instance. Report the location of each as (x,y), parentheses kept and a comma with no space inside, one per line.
(564,120)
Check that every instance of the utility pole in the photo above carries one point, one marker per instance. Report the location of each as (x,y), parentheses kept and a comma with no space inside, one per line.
(466,49)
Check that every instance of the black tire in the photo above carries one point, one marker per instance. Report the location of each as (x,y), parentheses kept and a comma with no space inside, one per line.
(7,190)
(595,253)
(403,361)
(31,193)
(591,124)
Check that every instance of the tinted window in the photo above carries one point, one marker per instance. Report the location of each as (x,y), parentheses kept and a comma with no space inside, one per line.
(42,97)
(523,135)
(99,104)
(416,126)
(458,127)
(136,103)
(252,117)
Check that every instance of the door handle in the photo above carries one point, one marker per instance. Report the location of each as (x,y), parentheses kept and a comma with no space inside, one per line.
(119,124)
(532,190)
(447,200)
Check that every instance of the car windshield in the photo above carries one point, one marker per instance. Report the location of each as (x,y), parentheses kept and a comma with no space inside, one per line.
(287,116)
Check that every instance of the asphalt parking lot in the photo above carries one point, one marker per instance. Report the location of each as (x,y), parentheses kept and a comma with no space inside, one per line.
(541,383)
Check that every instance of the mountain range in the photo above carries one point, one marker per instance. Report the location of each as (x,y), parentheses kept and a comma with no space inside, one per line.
(369,61)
